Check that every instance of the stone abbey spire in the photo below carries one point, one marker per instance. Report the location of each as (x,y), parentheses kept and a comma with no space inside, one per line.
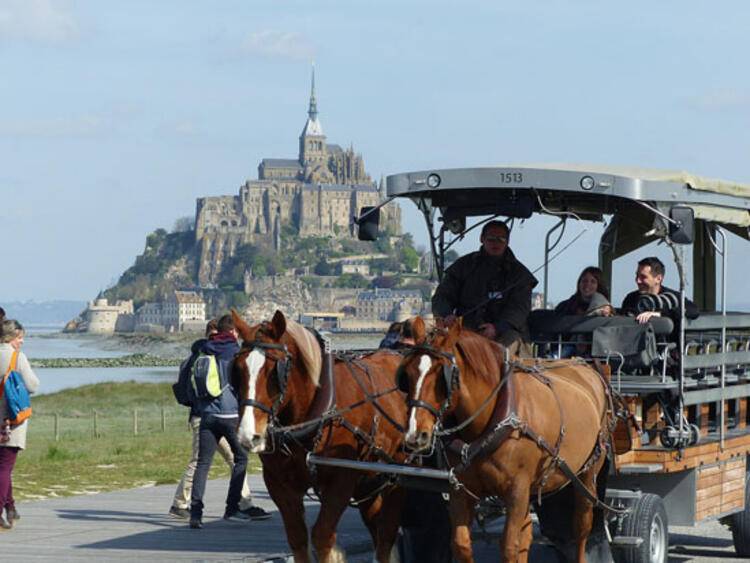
(312,111)
(312,125)
(313,149)
(315,194)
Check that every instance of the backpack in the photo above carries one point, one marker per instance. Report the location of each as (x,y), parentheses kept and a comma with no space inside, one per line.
(181,389)
(636,343)
(16,395)
(206,380)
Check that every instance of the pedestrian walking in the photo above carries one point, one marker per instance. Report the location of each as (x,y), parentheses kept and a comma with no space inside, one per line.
(12,438)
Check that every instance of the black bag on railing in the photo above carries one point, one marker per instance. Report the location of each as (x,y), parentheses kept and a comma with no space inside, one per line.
(635,343)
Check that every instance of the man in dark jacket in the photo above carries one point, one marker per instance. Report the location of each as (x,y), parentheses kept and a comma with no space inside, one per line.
(219,420)
(649,278)
(489,288)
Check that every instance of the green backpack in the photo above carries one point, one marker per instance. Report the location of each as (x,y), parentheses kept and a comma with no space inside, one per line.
(206,380)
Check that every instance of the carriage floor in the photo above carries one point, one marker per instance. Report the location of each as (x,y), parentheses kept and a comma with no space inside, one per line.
(133,526)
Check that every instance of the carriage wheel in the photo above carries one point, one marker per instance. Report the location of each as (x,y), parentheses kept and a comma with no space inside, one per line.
(647,520)
(740,524)
(666,440)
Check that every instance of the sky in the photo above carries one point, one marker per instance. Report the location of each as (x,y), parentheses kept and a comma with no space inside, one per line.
(116,116)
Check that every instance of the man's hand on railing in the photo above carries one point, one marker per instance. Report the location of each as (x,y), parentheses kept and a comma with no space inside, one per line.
(646,316)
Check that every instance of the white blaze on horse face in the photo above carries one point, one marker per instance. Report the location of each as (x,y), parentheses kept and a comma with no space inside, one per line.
(425,363)
(254,363)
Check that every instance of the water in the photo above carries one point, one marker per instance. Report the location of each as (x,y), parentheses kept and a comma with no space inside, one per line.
(37,345)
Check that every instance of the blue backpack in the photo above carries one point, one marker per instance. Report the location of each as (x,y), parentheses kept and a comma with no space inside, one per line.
(16,395)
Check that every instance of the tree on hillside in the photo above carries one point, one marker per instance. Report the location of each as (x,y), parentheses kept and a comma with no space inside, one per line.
(351,281)
(409,258)
(323,268)
(183,224)
(386,282)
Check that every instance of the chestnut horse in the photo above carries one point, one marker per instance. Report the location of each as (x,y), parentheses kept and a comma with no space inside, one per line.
(526,430)
(360,415)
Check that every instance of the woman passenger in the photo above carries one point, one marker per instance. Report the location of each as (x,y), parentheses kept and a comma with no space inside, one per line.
(585,301)
(12,438)
(591,299)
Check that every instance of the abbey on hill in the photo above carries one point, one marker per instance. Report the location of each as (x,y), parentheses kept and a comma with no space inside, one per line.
(316,194)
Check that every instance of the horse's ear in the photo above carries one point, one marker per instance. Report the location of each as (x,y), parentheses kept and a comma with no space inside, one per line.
(418,330)
(455,329)
(279,324)
(242,327)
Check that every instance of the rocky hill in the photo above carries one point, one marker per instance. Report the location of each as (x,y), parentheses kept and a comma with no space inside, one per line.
(168,262)
(260,278)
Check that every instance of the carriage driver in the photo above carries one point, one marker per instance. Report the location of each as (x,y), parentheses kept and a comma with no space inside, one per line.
(490,289)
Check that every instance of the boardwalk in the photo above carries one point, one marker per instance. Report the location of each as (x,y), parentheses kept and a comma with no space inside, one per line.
(133,525)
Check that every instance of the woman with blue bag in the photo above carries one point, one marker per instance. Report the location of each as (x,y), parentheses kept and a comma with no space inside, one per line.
(12,432)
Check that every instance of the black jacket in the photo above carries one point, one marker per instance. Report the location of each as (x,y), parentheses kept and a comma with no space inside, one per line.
(630,308)
(630,305)
(471,280)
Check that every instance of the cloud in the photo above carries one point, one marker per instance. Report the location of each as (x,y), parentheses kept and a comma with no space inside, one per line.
(279,44)
(43,21)
(81,126)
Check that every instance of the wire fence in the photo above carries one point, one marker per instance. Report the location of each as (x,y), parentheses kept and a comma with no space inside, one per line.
(98,424)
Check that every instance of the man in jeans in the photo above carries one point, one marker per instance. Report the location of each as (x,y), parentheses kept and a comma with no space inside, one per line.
(219,420)
(181,503)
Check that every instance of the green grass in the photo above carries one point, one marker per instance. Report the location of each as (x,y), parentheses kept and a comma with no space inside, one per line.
(81,463)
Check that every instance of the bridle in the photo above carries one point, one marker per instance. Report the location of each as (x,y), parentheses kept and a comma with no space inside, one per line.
(451,379)
(281,371)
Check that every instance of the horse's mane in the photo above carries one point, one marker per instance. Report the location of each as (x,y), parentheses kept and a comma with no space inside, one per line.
(481,355)
(309,349)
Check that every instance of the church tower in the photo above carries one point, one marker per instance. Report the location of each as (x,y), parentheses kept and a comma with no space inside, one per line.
(313,151)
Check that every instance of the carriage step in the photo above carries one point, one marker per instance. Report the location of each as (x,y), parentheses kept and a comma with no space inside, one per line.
(640,468)
(626,541)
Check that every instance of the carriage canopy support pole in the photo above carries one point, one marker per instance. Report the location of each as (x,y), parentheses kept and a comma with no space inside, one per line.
(547,250)
(679,260)
(723,251)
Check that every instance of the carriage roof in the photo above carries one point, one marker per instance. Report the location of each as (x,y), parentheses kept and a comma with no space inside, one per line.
(591,191)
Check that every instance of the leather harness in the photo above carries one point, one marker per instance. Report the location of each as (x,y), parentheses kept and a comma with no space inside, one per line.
(504,421)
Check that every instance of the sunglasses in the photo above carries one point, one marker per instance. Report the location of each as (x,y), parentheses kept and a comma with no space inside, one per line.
(496,239)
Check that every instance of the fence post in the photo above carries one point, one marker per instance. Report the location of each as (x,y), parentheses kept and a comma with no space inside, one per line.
(163,420)
(57,427)
(135,422)
(96,424)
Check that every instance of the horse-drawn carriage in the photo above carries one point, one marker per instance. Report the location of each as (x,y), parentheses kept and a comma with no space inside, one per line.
(681,389)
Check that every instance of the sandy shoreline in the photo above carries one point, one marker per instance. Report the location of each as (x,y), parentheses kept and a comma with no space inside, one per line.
(177,345)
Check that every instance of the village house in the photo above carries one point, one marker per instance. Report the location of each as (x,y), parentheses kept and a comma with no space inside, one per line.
(389,304)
